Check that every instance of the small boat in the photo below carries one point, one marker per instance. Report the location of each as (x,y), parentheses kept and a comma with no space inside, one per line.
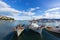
(19,29)
(53,29)
(37,29)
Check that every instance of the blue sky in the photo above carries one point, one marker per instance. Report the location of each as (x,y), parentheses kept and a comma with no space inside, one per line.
(28,9)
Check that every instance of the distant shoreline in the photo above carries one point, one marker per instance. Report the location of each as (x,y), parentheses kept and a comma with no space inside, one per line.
(6,18)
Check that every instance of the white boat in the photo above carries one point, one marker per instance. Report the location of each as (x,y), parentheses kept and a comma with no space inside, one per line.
(37,29)
(19,30)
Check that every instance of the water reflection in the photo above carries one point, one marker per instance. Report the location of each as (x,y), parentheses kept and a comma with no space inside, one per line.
(7,26)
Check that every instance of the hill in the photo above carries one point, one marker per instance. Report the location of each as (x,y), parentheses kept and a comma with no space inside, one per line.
(5,18)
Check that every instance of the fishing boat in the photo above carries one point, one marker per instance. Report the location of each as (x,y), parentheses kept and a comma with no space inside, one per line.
(35,27)
(53,29)
(19,28)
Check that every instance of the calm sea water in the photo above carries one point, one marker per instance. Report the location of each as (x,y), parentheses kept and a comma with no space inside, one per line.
(7,26)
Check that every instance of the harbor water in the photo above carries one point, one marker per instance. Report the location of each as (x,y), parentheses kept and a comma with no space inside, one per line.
(7,26)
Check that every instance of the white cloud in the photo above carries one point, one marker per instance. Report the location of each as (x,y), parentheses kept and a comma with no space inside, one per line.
(4,5)
(33,9)
(53,13)
(21,17)
(7,10)
(29,13)
(53,9)
(37,7)
(38,17)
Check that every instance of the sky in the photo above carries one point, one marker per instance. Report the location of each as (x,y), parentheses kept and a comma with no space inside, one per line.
(29,9)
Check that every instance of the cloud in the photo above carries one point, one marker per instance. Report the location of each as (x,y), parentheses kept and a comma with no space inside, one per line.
(51,3)
(9,11)
(37,17)
(29,13)
(53,13)
(4,5)
(53,9)
(33,9)
(21,17)
(6,9)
